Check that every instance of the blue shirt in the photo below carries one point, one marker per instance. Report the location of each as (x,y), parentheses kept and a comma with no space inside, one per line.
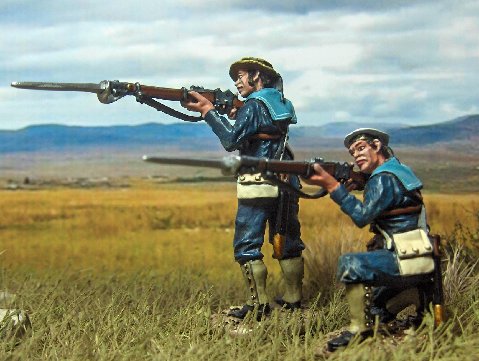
(384,191)
(252,118)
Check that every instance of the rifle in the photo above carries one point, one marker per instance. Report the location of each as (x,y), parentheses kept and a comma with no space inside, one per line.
(438,294)
(272,168)
(281,225)
(110,91)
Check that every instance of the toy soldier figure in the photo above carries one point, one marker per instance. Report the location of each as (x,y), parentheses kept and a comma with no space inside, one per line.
(13,322)
(260,130)
(377,282)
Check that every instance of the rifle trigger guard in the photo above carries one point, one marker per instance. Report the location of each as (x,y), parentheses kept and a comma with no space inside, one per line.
(290,189)
(185,93)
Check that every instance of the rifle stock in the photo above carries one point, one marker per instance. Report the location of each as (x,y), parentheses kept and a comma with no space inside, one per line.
(221,99)
(159,92)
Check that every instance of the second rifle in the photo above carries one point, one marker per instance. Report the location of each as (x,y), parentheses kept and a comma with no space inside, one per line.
(271,168)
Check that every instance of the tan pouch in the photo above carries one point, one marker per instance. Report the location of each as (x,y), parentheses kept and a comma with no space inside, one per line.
(414,252)
(252,186)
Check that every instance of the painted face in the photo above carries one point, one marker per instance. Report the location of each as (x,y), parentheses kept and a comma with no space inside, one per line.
(366,156)
(241,83)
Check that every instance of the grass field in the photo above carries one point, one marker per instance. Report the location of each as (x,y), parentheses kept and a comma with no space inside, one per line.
(135,273)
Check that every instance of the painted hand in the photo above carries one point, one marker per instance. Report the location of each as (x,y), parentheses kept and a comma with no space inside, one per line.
(232,113)
(198,104)
(323,179)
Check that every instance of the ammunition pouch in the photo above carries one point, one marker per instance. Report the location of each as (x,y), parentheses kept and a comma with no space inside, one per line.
(414,252)
(250,186)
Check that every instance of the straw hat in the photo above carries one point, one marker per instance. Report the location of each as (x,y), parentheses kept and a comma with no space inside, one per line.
(250,63)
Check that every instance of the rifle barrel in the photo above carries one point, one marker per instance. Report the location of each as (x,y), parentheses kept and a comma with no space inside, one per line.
(302,168)
(208,163)
(78,87)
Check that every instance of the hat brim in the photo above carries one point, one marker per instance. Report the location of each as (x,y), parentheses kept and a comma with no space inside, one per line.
(375,133)
(250,65)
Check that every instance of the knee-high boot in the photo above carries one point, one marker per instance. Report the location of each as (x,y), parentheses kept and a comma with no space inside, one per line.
(359,298)
(293,273)
(254,274)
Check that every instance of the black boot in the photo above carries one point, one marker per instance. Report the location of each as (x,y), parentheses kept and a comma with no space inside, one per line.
(341,341)
(345,338)
(288,305)
(262,310)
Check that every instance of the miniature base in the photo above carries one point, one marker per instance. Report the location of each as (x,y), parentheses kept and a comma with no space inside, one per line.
(241,327)
(14,323)
(387,336)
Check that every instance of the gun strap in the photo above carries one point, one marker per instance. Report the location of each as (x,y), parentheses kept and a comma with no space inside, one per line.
(166,109)
(284,143)
(285,186)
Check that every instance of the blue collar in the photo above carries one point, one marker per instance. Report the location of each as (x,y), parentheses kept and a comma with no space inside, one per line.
(279,108)
(407,177)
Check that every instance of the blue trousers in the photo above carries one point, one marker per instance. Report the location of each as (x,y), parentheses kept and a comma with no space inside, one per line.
(376,268)
(250,227)
(380,269)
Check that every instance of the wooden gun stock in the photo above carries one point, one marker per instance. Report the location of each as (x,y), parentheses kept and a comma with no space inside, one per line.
(222,100)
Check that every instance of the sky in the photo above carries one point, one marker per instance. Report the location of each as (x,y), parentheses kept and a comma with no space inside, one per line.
(380,62)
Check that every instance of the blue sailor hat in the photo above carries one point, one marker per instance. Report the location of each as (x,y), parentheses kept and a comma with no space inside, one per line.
(366,133)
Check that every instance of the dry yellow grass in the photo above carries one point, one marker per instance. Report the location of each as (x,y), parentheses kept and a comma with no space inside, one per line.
(135,273)
(168,226)
(124,229)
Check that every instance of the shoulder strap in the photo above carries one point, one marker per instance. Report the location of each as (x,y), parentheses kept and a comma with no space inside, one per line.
(406,210)
(265,136)
(398,211)
(387,238)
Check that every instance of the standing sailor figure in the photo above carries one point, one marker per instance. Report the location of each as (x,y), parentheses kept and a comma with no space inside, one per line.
(260,129)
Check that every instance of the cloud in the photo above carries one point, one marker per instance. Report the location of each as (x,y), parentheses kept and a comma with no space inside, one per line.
(306,6)
(407,61)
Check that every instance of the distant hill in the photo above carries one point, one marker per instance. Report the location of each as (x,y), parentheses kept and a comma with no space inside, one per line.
(464,129)
(198,136)
(460,129)
(338,129)
(54,137)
